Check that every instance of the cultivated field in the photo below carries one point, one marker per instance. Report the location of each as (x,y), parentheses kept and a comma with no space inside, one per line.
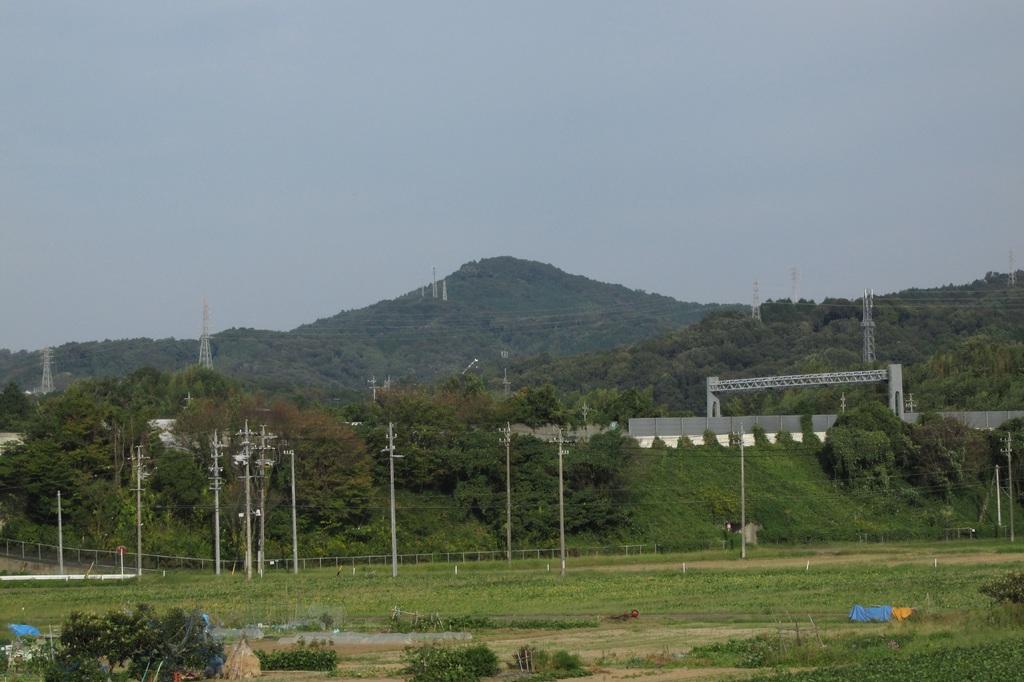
(788,606)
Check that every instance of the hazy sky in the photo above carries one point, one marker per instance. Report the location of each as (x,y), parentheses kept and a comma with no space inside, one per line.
(292,159)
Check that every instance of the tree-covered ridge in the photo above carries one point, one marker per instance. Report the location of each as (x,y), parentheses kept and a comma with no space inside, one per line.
(493,305)
(961,348)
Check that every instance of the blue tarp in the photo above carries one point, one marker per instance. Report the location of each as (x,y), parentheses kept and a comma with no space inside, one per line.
(870,614)
(23,630)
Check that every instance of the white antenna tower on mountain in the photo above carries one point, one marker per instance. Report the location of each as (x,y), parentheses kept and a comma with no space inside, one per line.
(868,325)
(1013,271)
(444,289)
(47,384)
(205,357)
(755,304)
(794,277)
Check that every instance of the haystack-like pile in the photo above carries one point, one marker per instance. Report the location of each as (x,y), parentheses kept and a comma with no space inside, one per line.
(242,662)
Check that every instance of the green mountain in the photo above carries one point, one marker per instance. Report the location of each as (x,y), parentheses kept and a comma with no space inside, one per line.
(961,347)
(494,305)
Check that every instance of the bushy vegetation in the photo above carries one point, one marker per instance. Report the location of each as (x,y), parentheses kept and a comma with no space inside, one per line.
(433,663)
(298,658)
(1006,589)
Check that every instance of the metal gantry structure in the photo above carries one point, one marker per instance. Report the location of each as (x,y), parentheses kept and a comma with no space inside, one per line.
(893,375)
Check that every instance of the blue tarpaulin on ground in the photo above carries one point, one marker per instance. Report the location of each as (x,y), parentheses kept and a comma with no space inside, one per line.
(23,630)
(870,614)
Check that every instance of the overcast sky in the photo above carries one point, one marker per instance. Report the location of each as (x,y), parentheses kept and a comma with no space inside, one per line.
(292,159)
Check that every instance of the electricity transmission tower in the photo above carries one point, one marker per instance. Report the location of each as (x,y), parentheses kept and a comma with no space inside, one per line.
(444,289)
(205,358)
(755,304)
(1013,271)
(868,325)
(47,384)
(794,278)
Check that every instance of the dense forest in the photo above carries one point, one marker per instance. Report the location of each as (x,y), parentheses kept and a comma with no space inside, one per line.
(494,305)
(961,347)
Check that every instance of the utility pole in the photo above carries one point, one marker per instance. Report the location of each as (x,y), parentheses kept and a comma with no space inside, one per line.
(373,388)
(47,383)
(1008,451)
(60,536)
(743,502)
(999,501)
(215,484)
(244,458)
(263,463)
(561,501)
(868,325)
(394,533)
(205,358)
(755,304)
(295,532)
(506,438)
(138,509)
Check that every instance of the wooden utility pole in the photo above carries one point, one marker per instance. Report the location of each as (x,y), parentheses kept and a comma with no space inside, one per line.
(561,501)
(507,439)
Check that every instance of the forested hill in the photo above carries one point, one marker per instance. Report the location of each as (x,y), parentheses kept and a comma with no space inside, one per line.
(961,346)
(494,304)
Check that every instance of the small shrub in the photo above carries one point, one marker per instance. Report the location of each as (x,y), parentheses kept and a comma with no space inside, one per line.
(430,663)
(79,669)
(299,658)
(1006,590)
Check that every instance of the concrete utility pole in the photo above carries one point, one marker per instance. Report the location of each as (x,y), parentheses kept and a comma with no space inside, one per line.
(1008,451)
(138,509)
(263,463)
(394,533)
(215,484)
(999,501)
(244,459)
(60,536)
(743,502)
(561,501)
(295,532)
(506,438)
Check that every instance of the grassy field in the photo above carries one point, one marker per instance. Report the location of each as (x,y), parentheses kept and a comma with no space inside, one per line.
(716,599)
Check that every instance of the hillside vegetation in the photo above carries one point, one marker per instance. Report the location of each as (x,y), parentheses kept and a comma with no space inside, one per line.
(961,347)
(494,305)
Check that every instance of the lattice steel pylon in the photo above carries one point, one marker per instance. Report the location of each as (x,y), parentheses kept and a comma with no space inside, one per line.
(47,384)
(1013,271)
(755,304)
(205,357)
(868,326)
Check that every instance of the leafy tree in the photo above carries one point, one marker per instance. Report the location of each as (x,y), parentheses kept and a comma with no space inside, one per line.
(14,407)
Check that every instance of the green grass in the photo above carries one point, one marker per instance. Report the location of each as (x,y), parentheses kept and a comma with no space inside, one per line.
(738,591)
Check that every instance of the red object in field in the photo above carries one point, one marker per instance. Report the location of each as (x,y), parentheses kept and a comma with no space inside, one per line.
(634,614)
(121,549)
(176,677)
